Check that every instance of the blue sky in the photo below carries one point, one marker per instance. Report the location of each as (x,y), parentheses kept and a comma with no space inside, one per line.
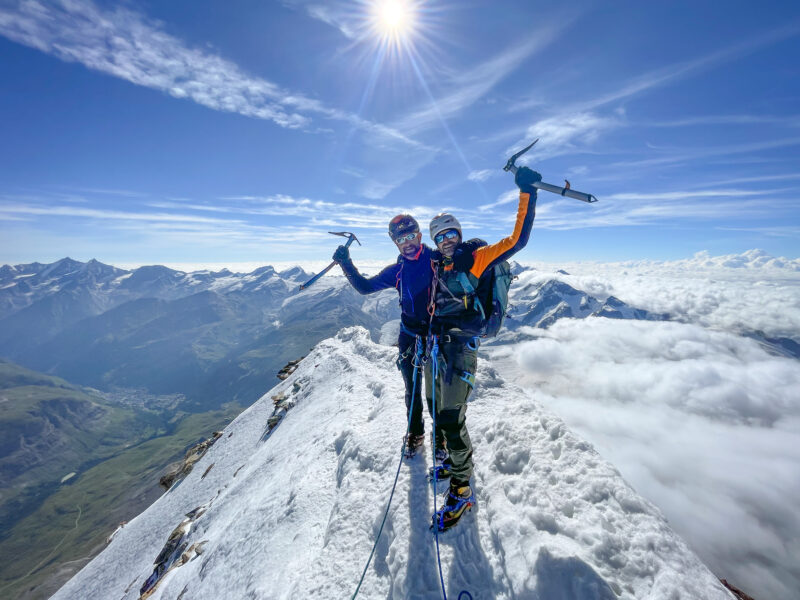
(209,132)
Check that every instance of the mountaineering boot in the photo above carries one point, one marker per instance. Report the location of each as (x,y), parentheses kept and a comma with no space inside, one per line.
(442,467)
(414,443)
(441,471)
(459,500)
(442,462)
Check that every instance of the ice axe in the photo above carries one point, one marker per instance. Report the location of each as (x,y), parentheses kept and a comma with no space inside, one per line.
(554,189)
(346,234)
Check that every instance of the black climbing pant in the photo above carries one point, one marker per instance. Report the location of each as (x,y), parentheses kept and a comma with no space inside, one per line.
(456,366)
(407,345)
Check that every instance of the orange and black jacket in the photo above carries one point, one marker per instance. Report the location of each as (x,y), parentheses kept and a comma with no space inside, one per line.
(455,307)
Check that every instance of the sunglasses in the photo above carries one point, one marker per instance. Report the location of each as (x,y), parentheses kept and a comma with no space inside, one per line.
(405,238)
(450,234)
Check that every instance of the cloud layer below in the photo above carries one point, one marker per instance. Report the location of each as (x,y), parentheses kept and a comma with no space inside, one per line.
(743,293)
(706,424)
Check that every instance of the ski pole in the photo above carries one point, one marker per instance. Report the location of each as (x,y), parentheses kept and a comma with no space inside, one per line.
(346,234)
(547,187)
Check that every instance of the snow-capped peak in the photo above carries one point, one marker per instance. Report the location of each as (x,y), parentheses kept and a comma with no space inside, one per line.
(290,504)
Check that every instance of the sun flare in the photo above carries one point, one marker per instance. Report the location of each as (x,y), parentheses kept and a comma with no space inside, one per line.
(393,19)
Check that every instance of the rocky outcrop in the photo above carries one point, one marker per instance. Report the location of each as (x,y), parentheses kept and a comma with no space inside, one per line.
(179,470)
(289,368)
(739,594)
(175,552)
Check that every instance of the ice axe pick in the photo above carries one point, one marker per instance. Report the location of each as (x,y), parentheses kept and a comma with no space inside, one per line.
(352,237)
(540,185)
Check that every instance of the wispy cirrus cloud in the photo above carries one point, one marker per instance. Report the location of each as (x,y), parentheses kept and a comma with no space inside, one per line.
(564,134)
(789,231)
(126,44)
(645,208)
(752,179)
(787,121)
(335,17)
(504,198)
(471,84)
(482,175)
(96,213)
(690,195)
(325,213)
(561,215)
(171,224)
(677,155)
(670,73)
(577,125)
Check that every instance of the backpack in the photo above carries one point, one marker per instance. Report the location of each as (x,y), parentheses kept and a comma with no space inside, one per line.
(491,296)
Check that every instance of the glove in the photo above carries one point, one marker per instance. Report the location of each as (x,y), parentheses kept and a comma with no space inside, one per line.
(463,255)
(436,256)
(341,255)
(525,178)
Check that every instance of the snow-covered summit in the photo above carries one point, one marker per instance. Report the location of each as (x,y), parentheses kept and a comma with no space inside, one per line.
(292,511)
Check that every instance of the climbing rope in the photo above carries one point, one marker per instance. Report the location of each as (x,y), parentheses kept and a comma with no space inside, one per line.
(417,365)
(434,348)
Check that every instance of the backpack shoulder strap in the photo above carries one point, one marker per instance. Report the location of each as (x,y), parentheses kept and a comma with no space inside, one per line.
(470,289)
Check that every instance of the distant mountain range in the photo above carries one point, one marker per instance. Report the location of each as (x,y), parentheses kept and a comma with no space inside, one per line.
(214,337)
(543,302)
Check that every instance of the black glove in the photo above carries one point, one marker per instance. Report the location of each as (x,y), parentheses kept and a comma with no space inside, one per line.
(341,255)
(463,257)
(525,178)
(436,256)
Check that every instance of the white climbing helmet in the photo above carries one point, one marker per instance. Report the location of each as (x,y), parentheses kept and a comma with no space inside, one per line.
(443,222)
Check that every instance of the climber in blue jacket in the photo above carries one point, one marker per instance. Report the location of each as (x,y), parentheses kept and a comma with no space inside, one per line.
(412,276)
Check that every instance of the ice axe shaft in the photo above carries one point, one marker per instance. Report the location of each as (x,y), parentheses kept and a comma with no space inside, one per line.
(352,237)
(548,187)
(561,191)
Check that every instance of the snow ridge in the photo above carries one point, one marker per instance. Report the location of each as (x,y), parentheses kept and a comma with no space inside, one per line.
(292,512)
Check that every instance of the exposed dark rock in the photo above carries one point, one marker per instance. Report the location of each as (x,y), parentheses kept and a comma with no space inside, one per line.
(290,368)
(181,469)
(740,595)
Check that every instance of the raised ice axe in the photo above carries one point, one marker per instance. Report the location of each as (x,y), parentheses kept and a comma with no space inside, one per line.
(554,189)
(346,234)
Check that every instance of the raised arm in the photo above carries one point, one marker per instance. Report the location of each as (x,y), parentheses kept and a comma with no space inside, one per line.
(488,256)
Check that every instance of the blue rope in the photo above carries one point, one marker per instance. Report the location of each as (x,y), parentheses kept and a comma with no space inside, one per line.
(435,374)
(417,359)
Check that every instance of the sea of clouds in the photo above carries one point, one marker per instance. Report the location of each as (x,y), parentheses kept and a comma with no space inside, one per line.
(744,293)
(702,419)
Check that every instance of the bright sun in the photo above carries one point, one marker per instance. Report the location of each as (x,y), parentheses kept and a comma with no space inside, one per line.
(393,19)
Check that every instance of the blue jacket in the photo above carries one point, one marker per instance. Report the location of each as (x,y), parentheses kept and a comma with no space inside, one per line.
(411,278)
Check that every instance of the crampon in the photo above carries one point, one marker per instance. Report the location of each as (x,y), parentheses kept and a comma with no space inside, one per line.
(459,500)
